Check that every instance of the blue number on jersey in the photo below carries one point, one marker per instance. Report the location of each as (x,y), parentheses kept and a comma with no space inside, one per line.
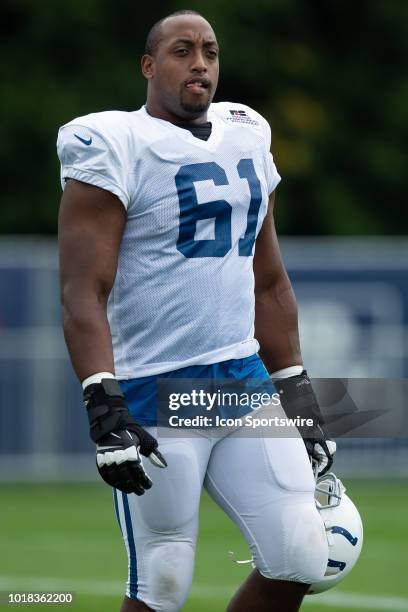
(191,212)
(220,210)
(246,170)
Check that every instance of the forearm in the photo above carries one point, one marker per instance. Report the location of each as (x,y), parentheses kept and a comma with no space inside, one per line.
(87,335)
(276,326)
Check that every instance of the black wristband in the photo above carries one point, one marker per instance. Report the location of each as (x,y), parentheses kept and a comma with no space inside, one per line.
(298,398)
(108,412)
(108,387)
(106,408)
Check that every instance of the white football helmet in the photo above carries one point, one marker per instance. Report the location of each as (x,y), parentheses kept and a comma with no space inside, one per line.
(344,530)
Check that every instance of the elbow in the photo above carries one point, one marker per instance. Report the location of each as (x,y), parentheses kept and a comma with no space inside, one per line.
(80,295)
(273,286)
(278,297)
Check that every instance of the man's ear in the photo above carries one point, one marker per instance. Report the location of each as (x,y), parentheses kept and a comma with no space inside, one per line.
(147,64)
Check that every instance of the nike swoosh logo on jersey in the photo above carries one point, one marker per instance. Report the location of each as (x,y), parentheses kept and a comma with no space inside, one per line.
(86,142)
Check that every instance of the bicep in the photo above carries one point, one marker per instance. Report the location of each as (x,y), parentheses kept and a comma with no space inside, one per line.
(90,228)
(268,264)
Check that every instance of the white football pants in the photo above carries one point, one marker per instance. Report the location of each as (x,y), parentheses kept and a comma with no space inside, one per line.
(264,484)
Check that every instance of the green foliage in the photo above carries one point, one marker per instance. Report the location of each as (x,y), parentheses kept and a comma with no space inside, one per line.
(329,76)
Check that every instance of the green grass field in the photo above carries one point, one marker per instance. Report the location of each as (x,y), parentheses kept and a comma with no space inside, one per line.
(65,537)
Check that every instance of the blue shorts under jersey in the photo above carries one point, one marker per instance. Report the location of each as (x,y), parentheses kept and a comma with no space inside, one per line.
(141,393)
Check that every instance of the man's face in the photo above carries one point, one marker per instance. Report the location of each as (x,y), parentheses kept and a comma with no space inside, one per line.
(183,73)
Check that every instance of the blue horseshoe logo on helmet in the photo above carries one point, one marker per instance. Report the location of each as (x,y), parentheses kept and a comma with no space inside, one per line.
(345,533)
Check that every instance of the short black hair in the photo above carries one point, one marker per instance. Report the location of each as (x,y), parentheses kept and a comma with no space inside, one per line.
(153,37)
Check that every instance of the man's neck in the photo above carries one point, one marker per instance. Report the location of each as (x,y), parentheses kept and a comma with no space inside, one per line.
(201,131)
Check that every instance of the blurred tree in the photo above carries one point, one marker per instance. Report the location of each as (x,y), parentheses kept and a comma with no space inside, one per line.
(329,76)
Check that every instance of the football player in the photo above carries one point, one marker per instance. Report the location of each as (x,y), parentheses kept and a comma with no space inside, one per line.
(170,268)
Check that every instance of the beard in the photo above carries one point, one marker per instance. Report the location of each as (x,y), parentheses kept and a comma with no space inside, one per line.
(195,108)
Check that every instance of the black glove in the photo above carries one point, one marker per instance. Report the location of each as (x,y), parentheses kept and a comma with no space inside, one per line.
(119,439)
(298,400)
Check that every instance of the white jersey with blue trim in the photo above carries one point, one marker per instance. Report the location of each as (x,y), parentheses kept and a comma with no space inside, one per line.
(184,288)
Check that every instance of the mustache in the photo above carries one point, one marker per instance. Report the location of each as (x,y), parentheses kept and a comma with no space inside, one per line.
(203,81)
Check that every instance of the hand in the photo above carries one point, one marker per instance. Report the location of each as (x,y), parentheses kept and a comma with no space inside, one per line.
(298,399)
(320,451)
(119,439)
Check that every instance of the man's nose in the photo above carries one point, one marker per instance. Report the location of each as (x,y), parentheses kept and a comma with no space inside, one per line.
(199,64)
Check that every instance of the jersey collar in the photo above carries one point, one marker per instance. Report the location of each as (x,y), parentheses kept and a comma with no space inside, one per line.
(210,145)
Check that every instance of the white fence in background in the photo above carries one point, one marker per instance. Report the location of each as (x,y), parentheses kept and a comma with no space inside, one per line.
(353,302)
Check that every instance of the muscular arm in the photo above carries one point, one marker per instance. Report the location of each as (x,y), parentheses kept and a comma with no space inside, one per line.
(91,224)
(276,319)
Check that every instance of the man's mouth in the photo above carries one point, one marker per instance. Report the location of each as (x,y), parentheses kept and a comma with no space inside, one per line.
(197,84)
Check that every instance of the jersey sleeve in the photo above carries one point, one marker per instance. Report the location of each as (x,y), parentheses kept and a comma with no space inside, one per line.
(272,175)
(89,157)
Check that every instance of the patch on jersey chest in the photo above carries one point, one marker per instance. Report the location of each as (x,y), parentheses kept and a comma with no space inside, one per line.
(241,116)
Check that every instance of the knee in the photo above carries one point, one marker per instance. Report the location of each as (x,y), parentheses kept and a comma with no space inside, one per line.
(304,548)
(170,568)
(308,552)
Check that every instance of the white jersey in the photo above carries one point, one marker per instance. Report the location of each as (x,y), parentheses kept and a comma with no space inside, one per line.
(184,288)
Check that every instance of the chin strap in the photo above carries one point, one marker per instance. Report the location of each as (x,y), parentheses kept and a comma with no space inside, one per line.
(243,562)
